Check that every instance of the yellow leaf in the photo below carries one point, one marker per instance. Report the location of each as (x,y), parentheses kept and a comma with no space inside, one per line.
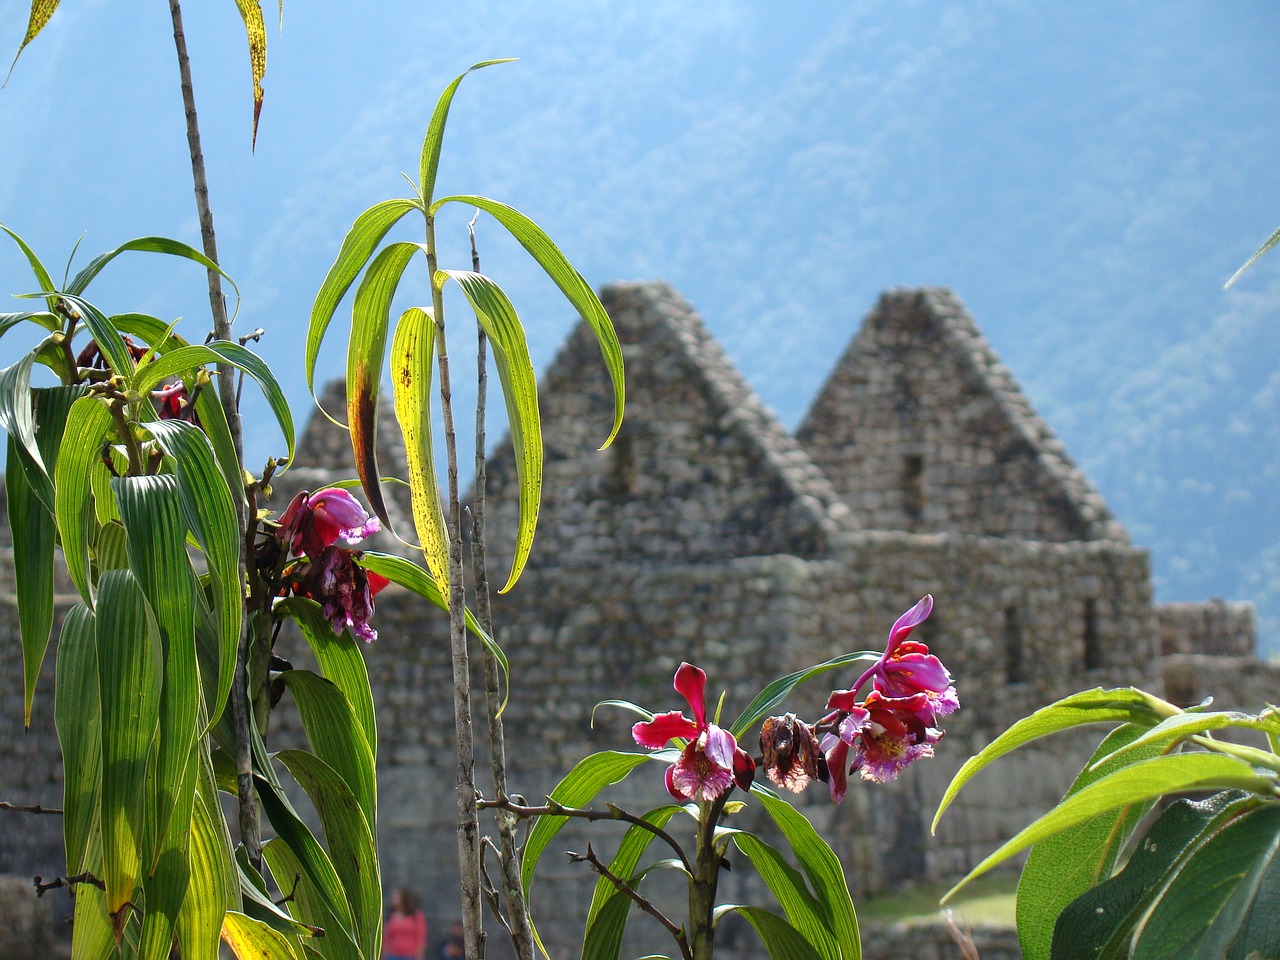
(251,12)
(41,11)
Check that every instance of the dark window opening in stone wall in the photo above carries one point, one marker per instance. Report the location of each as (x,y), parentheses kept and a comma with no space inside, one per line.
(1014,663)
(913,497)
(1092,641)
(622,475)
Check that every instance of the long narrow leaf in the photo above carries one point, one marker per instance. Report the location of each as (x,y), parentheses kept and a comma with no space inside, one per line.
(33,536)
(822,867)
(576,290)
(497,317)
(247,938)
(212,883)
(18,419)
(174,248)
(434,140)
(87,424)
(785,882)
(775,693)
(366,353)
(412,352)
(251,14)
(1267,244)
(108,338)
(129,671)
(357,247)
(210,513)
(781,940)
(78,716)
(37,268)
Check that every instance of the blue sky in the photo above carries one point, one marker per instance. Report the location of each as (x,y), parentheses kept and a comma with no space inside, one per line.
(1084,175)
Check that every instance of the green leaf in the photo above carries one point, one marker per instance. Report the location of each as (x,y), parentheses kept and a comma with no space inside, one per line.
(350,841)
(1062,867)
(576,290)
(42,317)
(211,890)
(357,247)
(1183,725)
(151,510)
(183,359)
(409,575)
(781,940)
(104,332)
(91,935)
(591,775)
(434,140)
(497,317)
(335,734)
(803,911)
(412,351)
(129,672)
(88,422)
(339,659)
(211,515)
(1222,902)
(247,938)
(775,694)
(366,353)
(607,915)
(18,419)
(33,536)
(1131,784)
(251,14)
(1267,244)
(37,268)
(173,248)
(1099,924)
(309,904)
(77,714)
(1090,706)
(822,867)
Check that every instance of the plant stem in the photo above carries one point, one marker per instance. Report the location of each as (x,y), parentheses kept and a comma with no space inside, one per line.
(706,876)
(517,922)
(468,822)
(250,825)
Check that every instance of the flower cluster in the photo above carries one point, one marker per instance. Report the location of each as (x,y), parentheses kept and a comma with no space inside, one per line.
(878,736)
(309,529)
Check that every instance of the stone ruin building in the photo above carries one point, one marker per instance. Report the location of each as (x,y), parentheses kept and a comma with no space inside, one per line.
(707,532)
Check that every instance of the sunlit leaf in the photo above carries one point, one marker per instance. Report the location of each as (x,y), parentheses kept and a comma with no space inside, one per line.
(1062,867)
(357,247)
(497,317)
(434,140)
(1089,706)
(212,883)
(87,424)
(37,268)
(366,354)
(1267,244)
(129,671)
(77,713)
(1131,784)
(775,693)
(251,939)
(412,353)
(575,289)
(251,13)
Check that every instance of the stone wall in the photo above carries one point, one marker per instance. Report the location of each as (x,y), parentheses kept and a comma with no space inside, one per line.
(921,427)
(1213,627)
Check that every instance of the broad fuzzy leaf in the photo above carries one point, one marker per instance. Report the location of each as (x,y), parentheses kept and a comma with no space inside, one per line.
(1099,924)
(1090,706)
(1062,867)
(1129,785)
(575,289)
(497,317)
(412,353)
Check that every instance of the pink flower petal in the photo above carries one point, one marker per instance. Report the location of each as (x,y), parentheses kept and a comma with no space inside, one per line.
(657,732)
(691,684)
(903,626)
(719,746)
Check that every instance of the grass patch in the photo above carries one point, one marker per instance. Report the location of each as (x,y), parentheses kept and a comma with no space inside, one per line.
(989,899)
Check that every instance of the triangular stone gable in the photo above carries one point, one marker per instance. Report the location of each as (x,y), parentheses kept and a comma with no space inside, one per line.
(920,427)
(700,471)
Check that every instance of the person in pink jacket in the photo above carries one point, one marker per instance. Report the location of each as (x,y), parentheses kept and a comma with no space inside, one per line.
(404,937)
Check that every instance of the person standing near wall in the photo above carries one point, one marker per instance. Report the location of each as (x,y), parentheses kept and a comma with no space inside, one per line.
(404,937)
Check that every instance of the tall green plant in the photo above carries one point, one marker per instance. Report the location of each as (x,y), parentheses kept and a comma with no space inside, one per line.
(419,333)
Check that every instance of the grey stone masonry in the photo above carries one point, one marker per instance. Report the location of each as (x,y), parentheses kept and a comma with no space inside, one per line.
(1212,627)
(921,427)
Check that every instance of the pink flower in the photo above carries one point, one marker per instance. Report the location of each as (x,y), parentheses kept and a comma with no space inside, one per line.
(907,668)
(791,754)
(313,522)
(711,761)
(887,734)
(343,588)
